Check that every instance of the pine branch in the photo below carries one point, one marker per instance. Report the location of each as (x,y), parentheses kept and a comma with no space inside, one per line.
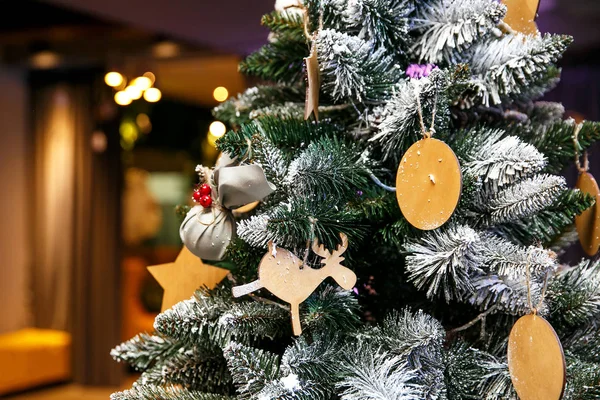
(397,122)
(237,110)
(383,23)
(417,338)
(574,295)
(286,23)
(585,343)
(447,28)
(556,141)
(291,388)
(288,135)
(328,168)
(145,349)
(475,374)
(204,370)
(507,259)
(281,60)
(501,160)
(289,224)
(351,69)
(443,261)
(549,224)
(151,392)
(368,375)
(316,360)
(330,310)
(214,317)
(255,319)
(250,368)
(508,295)
(583,379)
(510,65)
(521,200)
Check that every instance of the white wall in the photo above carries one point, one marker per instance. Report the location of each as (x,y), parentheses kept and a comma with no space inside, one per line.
(14,257)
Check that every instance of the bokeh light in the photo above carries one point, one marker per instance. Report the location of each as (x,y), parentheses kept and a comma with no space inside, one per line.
(134,92)
(152,95)
(113,79)
(217,129)
(220,93)
(142,83)
(122,98)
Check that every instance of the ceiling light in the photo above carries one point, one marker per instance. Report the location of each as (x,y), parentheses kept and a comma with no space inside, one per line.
(113,79)
(152,95)
(122,98)
(220,93)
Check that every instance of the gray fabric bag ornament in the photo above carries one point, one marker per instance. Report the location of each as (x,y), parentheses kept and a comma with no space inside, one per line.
(207,232)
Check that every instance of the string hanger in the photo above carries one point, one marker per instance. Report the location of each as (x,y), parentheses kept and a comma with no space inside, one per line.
(534,310)
(586,163)
(427,133)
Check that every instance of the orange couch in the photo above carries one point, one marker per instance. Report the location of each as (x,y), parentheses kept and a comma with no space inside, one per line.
(32,357)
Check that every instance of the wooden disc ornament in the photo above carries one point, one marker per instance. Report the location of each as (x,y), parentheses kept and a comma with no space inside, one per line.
(536,361)
(588,222)
(290,279)
(428,183)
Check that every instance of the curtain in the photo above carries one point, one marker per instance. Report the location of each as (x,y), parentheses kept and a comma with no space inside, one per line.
(75,228)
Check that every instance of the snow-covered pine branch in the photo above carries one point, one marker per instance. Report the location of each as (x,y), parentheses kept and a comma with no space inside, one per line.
(520,200)
(383,22)
(508,259)
(513,64)
(444,261)
(447,28)
(499,160)
(369,375)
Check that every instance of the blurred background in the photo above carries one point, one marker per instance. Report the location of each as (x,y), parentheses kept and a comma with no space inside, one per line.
(104,113)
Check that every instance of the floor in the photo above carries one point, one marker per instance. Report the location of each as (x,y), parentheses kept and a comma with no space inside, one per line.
(69,392)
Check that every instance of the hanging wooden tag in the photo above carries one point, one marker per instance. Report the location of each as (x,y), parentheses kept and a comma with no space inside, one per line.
(428,184)
(536,361)
(521,14)
(286,276)
(313,84)
(588,222)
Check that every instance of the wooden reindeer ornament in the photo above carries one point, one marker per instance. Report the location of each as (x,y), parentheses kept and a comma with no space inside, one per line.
(287,277)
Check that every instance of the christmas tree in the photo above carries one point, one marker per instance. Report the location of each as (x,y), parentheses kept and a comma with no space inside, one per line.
(352,86)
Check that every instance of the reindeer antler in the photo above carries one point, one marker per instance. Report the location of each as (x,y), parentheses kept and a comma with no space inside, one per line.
(341,247)
(320,250)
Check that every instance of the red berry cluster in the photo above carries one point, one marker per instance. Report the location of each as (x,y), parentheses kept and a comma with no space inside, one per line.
(202,195)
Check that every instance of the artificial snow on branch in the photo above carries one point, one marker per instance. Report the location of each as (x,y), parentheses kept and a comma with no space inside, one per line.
(444,261)
(499,160)
(523,199)
(447,28)
(513,64)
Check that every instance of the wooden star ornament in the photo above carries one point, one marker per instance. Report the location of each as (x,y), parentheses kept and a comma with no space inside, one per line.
(181,278)
(521,14)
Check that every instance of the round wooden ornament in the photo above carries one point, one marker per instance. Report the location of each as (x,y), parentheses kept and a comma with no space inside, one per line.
(588,222)
(536,361)
(428,183)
